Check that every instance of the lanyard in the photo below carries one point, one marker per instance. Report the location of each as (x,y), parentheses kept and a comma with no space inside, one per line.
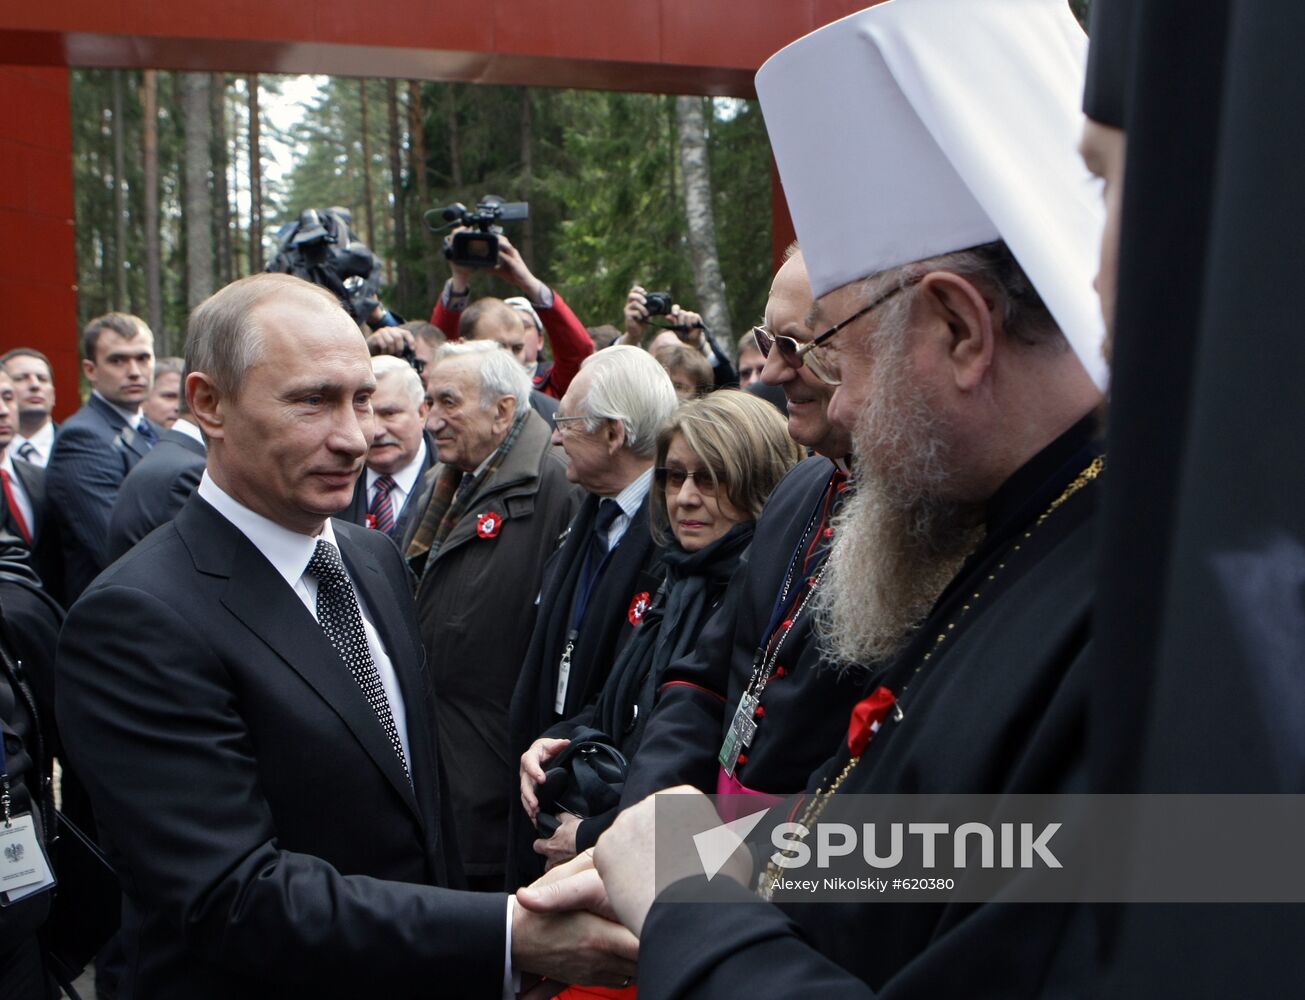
(4,783)
(781,600)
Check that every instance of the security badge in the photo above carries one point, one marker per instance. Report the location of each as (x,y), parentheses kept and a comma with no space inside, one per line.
(24,869)
(743,727)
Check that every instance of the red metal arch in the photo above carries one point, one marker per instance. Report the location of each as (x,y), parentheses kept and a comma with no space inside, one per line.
(665,46)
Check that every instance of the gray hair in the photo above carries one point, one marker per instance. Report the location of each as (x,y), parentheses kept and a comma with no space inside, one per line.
(992,269)
(385,365)
(168,366)
(223,340)
(628,385)
(500,373)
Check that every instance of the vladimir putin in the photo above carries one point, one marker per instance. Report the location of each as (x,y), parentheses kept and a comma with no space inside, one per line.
(246,695)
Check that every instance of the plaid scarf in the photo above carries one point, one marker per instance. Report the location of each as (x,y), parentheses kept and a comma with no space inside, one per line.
(447,505)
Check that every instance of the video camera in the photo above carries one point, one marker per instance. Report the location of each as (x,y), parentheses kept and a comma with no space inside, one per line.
(478,246)
(321,248)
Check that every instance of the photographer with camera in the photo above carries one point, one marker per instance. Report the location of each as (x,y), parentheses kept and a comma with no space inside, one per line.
(544,314)
(640,309)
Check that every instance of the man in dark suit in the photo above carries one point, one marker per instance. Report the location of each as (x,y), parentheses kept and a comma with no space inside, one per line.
(246,695)
(608,423)
(400,453)
(23,511)
(34,382)
(101,442)
(159,486)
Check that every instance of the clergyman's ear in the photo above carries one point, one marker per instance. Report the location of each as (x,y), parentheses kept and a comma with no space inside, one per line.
(964,329)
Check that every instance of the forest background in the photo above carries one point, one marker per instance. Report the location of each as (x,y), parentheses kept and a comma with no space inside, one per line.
(173,198)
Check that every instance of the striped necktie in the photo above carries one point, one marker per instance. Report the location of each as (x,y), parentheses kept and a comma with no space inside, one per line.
(381,512)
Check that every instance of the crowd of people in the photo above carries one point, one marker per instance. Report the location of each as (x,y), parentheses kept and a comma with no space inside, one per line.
(364,653)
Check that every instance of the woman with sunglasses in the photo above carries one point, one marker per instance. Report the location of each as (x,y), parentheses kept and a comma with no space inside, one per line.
(717,462)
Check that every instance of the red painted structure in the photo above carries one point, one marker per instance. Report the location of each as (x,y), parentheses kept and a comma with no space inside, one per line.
(667,46)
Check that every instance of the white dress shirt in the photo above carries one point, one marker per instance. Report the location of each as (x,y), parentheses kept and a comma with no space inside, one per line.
(404,482)
(289,553)
(628,500)
(42,443)
(19,490)
(184,426)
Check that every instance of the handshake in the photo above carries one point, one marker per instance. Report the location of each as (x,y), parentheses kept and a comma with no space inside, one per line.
(581,922)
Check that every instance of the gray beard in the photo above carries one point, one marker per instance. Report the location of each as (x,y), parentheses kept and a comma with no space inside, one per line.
(897,542)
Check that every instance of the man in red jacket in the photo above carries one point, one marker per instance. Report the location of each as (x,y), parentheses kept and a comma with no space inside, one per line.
(547,315)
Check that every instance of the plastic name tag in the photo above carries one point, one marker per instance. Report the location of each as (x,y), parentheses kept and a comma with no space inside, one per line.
(24,869)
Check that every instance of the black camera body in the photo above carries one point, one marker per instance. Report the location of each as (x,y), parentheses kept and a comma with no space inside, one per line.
(477,247)
(658,303)
(320,247)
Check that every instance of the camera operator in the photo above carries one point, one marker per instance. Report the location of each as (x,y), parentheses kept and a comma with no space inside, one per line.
(567,336)
(686,325)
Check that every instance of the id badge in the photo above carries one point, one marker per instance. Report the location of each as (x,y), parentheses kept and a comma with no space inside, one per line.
(742,728)
(24,869)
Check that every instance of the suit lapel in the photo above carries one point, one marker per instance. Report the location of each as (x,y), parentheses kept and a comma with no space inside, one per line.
(125,436)
(260,598)
(33,482)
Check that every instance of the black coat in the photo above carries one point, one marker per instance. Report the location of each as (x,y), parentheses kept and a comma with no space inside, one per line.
(266,837)
(44,556)
(805,710)
(1002,709)
(633,569)
(155,490)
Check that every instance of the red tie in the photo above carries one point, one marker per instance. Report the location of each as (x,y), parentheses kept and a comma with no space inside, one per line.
(15,511)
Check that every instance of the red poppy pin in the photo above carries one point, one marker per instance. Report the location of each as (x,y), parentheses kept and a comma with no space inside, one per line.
(489,524)
(867,717)
(639,607)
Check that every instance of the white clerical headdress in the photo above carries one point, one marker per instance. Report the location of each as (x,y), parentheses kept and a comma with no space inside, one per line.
(919,127)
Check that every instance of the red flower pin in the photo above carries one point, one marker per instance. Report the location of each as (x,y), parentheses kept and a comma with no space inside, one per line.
(639,607)
(867,717)
(489,524)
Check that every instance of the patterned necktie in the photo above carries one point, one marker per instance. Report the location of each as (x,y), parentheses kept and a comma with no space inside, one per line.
(26,450)
(382,508)
(146,430)
(341,620)
(15,512)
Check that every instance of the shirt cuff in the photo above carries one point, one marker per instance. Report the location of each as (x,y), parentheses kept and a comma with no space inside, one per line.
(545,298)
(511,979)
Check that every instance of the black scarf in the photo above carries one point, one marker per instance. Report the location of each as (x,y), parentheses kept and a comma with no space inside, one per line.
(694,582)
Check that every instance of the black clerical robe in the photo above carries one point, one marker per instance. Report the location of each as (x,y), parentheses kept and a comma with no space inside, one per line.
(998,707)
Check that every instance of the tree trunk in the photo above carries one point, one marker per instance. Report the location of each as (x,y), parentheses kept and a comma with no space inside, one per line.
(255,181)
(367,168)
(698,214)
(119,197)
(153,267)
(417,165)
(400,209)
(527,246)
(455,139)
(217,108)
(198,214)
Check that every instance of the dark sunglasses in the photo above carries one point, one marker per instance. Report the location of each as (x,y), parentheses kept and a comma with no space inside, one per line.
(675,478)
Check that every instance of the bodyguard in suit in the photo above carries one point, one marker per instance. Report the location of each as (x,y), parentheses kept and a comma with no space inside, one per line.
(246,694)
(34,382)
(101,442)
(159,486)
(23,511)
(400,453)
(607,423)
(490,514)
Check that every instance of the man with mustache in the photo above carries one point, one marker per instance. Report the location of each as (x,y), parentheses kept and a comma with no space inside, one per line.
(401,451)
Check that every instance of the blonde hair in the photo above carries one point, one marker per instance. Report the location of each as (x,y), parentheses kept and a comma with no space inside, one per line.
(741,439)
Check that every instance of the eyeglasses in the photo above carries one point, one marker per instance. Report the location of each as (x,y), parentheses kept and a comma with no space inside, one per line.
(674,479)
(796,354)
(560,422)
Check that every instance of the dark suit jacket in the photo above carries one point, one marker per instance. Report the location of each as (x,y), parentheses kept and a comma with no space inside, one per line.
(44,556)
(356,512)
(634,568)
(93,452)
(266,838)
(155,490)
